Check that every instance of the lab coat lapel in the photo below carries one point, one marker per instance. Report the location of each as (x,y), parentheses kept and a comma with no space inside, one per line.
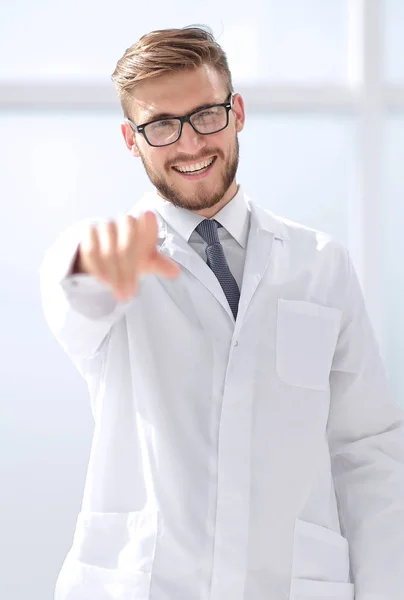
(264,229)
(176,248)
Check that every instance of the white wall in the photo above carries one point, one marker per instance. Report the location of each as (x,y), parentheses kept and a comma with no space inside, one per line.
(60,166)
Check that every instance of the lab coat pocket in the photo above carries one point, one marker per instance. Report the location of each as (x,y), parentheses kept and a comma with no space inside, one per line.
(306,338)
(320,564)
(111,557)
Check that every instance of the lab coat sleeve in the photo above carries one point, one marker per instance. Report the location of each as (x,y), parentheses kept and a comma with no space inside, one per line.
(79,309)
(366,440)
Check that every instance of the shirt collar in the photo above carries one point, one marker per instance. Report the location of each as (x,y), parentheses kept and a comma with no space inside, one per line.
(234,217)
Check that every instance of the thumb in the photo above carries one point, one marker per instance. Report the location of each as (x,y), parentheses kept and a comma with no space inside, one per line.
(164,266)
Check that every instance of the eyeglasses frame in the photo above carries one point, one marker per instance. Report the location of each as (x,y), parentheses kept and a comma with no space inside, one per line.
(228,105)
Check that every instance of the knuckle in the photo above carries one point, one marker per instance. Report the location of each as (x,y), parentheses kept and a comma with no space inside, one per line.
(109,255)
(92,253)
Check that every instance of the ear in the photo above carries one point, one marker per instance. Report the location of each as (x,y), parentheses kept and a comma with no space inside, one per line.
(129,137)
(239,112)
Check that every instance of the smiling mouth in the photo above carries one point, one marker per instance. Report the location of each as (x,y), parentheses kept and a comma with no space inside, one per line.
(195,168)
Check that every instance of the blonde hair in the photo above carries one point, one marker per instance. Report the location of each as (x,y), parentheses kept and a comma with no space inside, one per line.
(168,51)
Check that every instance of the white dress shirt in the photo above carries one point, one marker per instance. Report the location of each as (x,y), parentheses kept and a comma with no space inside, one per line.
(233,235)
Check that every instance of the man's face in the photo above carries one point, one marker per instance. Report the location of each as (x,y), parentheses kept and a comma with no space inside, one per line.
(177,95)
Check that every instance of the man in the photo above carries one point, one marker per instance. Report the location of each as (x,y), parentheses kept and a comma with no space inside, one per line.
(246,446)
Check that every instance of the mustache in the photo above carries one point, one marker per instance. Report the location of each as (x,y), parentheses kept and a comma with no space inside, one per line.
(181,159)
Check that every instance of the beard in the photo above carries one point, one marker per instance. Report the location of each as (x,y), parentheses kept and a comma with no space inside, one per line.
(201,198)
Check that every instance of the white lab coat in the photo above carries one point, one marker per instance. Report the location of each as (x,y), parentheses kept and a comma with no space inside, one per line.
(261,459)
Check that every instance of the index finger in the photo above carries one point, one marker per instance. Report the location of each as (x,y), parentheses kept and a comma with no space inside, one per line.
(147,235)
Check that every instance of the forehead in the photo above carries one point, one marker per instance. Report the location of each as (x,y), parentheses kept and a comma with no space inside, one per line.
(177,93)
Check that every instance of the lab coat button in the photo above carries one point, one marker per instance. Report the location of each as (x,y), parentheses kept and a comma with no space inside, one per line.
(235,344)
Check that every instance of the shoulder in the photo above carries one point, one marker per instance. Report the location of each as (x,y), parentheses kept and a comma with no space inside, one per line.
(313,257)
(301,238)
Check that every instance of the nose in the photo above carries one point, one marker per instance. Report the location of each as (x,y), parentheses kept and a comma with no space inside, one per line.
(190,141)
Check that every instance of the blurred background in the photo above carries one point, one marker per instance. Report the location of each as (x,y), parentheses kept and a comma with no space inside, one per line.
(323,83)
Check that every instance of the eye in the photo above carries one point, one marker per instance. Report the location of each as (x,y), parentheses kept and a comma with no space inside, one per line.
(162,124)
(207,113)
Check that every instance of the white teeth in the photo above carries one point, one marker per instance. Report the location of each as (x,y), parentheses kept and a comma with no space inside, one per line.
(195,166)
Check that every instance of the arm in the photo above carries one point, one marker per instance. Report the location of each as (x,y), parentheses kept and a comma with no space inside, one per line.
(366,440)
(79,309)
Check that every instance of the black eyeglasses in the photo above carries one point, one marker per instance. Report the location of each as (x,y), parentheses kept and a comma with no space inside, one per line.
(164,132)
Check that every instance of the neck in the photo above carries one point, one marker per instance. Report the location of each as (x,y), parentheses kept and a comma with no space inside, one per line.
(208,213)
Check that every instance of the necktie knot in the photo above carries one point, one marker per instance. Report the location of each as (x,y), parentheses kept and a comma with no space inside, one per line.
(207,229)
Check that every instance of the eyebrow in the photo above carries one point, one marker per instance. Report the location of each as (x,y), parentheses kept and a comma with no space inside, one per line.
(163,115)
